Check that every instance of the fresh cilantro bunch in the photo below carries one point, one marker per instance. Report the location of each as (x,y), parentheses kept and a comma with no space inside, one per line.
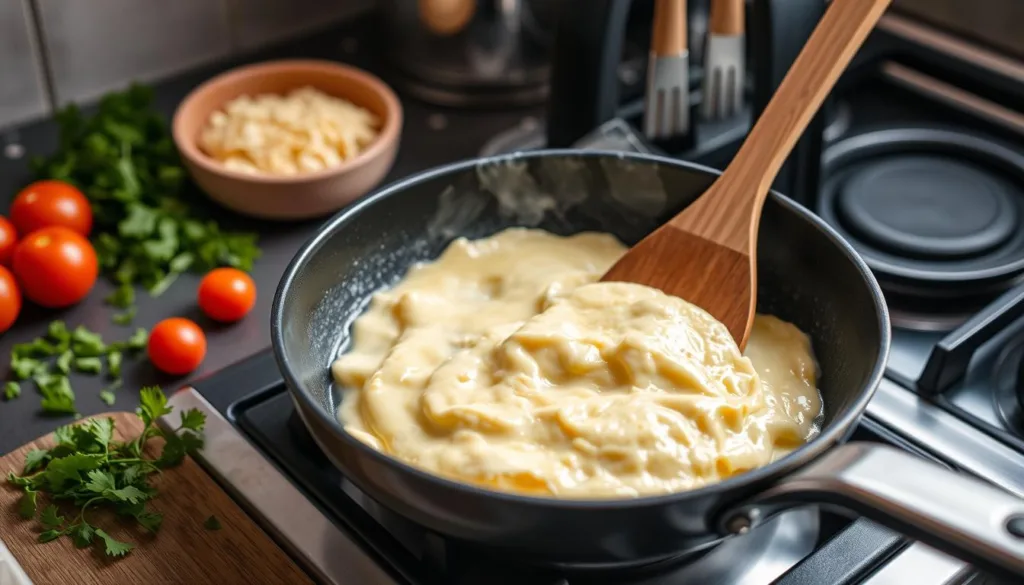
(88,469)
(48,361)
(148,225)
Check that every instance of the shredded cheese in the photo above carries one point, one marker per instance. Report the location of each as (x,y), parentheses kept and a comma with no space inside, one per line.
(303,131)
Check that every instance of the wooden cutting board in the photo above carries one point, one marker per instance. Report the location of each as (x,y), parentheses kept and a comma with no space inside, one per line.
(183,551)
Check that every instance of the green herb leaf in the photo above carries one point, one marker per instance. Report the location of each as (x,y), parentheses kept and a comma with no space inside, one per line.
(177,446)
(130,494)
(87,468)
(82,534)
(148,226)
(123,296)
(112,546)
(85,343)
(131,473)
(81,350)
(64,470)
(51,518)
(100,482)
(27,504)
(212,523)
(23,367)
(58,332)
(153,404)
(12,390)
(50,535)
(64,362)
(88,365)
(138,339)
(125,317)
(101,429)
(58,404)
(193,419)
(108,397)
(114,359)
(151,521)
(35,459)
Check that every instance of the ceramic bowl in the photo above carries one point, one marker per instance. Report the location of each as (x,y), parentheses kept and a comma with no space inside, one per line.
(301,196)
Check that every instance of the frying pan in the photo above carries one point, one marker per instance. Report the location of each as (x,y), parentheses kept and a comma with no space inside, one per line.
(807,275)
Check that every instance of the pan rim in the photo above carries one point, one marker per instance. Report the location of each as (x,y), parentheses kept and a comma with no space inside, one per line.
(831,436)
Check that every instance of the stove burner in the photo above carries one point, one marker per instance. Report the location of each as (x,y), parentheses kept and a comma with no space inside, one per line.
(935,213)
(928,206)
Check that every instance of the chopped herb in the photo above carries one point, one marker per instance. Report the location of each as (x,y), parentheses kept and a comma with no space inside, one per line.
(125,317)
(212,523)
(35,459)
(88,365)
(150,226)
(27,504)
(108,397)
(48,361)
(88,469)
(12,390)
(114,363)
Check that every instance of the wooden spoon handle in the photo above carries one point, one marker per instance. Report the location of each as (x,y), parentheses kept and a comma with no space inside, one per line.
(668,34)
(727,17)
(739,193)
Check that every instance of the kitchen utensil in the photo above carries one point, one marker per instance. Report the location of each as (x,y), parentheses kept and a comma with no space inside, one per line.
(184,551)
(470,53)
(708,253)
(299,196)
(724,60)
(586,65)
(667,100)
(808,275)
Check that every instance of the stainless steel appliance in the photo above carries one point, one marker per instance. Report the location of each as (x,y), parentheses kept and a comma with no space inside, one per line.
(470,52)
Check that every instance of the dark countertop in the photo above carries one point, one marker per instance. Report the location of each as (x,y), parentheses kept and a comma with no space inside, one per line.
(431,136)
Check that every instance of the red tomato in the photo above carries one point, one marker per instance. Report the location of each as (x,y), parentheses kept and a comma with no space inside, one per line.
(227,294)
(48,203)
(55,267)
(176,346)
(10,300)
(8,239)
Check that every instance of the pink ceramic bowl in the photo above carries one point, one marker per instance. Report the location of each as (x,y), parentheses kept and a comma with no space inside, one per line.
(301,196)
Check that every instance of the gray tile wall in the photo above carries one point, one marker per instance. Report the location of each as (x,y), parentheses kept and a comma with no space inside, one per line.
(53,52)
(22,83)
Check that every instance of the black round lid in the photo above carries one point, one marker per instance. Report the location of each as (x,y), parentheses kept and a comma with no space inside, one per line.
(936,213)
(928,206)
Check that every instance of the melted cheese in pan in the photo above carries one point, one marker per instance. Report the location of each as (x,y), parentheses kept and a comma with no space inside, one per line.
(507,365)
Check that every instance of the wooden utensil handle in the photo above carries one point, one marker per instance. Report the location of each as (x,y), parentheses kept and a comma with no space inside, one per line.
(727,17)
(741,190)
(668,35)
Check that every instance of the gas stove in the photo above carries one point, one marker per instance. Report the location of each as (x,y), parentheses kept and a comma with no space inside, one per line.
(258,448)
(926,181)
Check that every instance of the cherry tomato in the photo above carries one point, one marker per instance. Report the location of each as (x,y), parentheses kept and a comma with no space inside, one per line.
(55,267)
(176,346)
(227,294)
(10,300)
(8,239)
(48,203)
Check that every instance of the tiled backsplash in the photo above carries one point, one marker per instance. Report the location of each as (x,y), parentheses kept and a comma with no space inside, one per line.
(53,52)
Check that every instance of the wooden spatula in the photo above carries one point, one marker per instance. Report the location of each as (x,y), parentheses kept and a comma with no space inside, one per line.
(708,253)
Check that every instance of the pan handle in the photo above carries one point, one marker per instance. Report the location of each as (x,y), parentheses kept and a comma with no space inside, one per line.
(958,514)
